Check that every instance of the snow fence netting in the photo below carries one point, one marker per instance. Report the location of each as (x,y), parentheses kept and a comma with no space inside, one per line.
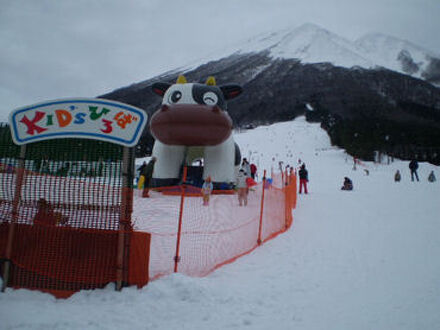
(77,186)
(61,216)
(212,235)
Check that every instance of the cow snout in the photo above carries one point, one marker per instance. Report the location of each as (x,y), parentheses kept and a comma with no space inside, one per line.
(191,125)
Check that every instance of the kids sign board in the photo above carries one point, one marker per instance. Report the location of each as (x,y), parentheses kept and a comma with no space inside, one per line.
(86,118)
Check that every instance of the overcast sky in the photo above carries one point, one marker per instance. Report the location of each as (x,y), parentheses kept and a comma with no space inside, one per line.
(53,49)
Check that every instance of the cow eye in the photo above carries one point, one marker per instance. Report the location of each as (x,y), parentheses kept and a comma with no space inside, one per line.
(210,98)
(175,97)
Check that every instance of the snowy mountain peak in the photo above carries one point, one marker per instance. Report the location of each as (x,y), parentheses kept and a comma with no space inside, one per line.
(397,54)
(308,43)
(311,43)
(372,41)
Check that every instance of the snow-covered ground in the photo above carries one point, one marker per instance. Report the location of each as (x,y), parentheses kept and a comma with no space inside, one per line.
(366,259)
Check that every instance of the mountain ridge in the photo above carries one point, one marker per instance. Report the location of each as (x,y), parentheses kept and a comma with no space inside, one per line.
(365,48)
(345,99)
(311,43)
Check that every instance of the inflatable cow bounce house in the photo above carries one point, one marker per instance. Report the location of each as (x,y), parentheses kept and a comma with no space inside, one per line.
(192,128)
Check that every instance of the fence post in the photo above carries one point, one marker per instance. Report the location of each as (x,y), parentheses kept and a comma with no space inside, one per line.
(287,199)
(260,228)
(287,202)
(179,232)
(15,209)
(124,218)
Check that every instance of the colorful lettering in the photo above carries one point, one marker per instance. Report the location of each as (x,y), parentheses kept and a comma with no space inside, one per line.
(79,118)
(108,126)
(64,117)
(94,115)
(49,121)
(31,124)
(123,119)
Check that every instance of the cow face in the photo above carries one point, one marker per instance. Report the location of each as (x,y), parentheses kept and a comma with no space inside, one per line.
(194,94)
(193,114)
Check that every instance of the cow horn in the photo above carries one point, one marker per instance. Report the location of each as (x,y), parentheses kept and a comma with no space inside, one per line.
(210,81)
(181,79)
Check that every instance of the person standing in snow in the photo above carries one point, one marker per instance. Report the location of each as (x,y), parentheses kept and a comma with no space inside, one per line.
(242,187)
(303,178)
(147,172)
(206,190)
(413,166)
(141,168)
(253,169)
(246,167)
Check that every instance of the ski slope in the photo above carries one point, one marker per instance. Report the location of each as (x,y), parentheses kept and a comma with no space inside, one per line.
(366,259)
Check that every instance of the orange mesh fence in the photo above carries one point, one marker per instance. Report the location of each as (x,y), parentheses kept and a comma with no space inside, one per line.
(71,242)
(211,235)
(62,217)
(65,220)
(290,193)
(64,260)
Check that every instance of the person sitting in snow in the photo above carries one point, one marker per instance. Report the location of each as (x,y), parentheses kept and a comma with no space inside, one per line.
(347,185)
(207,190)
(431,177)
(46,215)
(397,176)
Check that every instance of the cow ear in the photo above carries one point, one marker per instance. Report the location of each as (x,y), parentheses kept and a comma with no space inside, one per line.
(231,91)
(160,88)
(181,79)
(210,81)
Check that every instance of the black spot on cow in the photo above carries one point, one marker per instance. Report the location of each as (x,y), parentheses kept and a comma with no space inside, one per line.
(208,95)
